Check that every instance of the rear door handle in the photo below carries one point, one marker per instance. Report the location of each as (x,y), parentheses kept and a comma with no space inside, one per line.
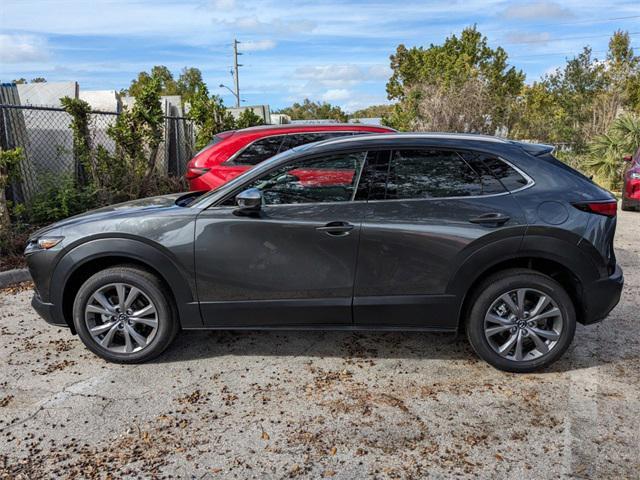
(336,229)
(494,218)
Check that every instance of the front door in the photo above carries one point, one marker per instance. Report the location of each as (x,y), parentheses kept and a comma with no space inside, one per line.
(292,264)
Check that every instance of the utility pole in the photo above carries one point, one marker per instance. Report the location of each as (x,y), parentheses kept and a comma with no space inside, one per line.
(235,70)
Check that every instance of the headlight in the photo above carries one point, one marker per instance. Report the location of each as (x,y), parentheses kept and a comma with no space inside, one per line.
(635,175)
(42,243)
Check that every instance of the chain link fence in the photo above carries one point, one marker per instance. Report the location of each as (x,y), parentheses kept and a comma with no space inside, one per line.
(45,135)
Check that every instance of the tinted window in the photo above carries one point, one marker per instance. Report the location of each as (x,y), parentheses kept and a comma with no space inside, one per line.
(297,139)
(507,175)
(328,179)
(259,151)
(479,163)
(373,181)
(430,174)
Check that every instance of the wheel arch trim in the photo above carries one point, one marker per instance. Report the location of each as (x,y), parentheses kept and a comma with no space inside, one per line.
(176,279)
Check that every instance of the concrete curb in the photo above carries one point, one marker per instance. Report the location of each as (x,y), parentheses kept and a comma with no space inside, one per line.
(14,276)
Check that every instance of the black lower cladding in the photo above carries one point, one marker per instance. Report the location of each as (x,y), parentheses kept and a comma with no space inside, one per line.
(46,311)
(600,297)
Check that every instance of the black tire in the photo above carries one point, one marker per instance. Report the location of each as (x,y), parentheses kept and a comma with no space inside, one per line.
(505,281)
(626,207)
(151,286)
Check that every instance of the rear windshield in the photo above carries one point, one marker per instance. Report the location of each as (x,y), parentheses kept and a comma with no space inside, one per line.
(216,139)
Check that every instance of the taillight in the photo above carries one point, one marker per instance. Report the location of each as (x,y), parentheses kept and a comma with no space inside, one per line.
(195,172)
(608,208)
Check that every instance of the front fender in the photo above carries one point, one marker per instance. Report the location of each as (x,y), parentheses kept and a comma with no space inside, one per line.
(158,258)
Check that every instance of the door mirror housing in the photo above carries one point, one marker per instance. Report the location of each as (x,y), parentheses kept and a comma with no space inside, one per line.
(249,201)
(627,158)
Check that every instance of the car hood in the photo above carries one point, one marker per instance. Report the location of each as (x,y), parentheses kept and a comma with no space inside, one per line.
(161,202)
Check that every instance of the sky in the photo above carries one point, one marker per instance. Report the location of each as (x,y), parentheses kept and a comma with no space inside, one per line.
(335,51)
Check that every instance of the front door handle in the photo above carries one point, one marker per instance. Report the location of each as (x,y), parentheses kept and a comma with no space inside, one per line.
(494,218)
(336,229)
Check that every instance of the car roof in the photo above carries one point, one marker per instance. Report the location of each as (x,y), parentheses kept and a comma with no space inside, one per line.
(444,139)
(311,127)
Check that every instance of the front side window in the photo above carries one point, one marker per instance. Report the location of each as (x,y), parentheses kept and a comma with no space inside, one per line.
(328,179)
(259,151)
(430,173)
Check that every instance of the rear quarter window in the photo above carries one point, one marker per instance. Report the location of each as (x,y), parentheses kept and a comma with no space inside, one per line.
(505,173)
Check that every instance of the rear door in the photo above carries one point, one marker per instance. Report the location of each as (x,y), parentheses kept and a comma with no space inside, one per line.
(429,209)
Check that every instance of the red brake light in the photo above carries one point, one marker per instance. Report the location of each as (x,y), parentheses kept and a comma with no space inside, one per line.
(608,208)
(195,172)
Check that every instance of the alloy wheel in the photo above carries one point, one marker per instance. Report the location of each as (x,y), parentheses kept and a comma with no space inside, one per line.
(523,324)
(121,318)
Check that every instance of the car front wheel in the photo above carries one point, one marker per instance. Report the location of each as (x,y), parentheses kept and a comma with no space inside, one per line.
(521,320)
(124,314)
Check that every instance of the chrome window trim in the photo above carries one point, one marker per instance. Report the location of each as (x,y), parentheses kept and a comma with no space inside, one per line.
(530,184)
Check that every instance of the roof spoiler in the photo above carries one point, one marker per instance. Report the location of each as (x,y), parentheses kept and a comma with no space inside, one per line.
(535,149)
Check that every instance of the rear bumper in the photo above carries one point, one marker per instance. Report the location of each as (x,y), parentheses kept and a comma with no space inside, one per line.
(46,311)
(600,297)
(631,202)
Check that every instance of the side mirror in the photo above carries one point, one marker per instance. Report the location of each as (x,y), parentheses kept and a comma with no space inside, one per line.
(627,158)
(249,201)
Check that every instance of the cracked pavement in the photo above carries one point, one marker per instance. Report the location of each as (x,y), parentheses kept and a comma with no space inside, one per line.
(321,404)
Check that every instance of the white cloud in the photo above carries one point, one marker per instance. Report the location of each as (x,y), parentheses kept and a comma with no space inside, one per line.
(22,48)
(254,25)
(331,75)
(537,10)
(541,38)
(257,45)
(223,4)
(336,95)
(379,72)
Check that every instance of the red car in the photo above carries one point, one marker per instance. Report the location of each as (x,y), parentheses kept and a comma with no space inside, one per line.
(232,153)
(631,188)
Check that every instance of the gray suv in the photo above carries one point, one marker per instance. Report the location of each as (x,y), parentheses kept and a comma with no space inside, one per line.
(425,232)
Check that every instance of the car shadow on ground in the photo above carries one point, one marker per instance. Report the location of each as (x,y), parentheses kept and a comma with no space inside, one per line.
(190,345)
(200,345)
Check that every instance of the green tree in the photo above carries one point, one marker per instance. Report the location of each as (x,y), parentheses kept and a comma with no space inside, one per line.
(39,80)
(9,170)
(138,133)
(209,116)
(373,111)
(606,151)
(20,81)
(159,74)
(189,82)
(582,99)
(308,110)
(247,119)
(448,67)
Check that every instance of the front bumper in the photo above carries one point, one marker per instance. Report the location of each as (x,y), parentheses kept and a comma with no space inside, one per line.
(46,311)
(600,297)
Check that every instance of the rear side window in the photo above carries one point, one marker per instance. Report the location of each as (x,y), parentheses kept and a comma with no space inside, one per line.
(259,151)
(425,173)
(297,139)
(507,175)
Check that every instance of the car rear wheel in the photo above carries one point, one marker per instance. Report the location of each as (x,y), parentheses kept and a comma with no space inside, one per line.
(521,320)
(125,315)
